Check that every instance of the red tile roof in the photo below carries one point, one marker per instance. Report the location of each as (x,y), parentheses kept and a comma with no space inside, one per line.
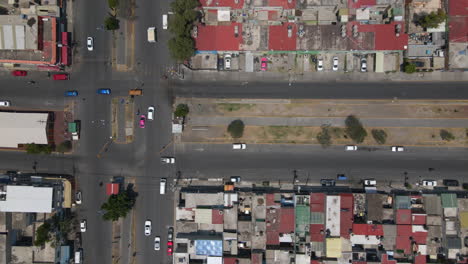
(256,258)
(272,238)
(403,217)
(384,35)
(228,260)
(317,202)
(421,259)
(368,230)
(317,208)
(346,200)
(283,3)
(360,3)
(404,230)
(315,234)
(458,28)
(220,37)
(458,8)
(403,243)
(217,216)
(315,262)
(287,220)
(270,199)
(223,3)
(278,37)
(420,238)
(419,219)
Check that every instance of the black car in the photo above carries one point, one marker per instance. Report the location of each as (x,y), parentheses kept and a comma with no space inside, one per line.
(452,183)
(327,182)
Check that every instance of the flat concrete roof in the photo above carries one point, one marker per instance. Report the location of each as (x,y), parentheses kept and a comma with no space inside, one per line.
(27,199)
(22,128)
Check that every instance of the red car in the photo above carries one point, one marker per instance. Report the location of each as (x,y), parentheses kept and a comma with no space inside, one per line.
(60,76)
(142,121)
(264,65)
(19,73)
(169,251)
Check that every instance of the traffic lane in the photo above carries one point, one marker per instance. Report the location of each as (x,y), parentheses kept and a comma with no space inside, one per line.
(323,90)
(21,161)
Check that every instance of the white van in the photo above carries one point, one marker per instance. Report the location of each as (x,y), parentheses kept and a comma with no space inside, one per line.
(152,34)
(164,21)
(162,187)
(78,256)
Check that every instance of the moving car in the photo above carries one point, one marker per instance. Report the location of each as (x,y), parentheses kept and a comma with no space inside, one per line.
(320,65)
(335,63)
(370,182)
(227,61)
(327,182)
(151,113)
(147,227)
(162,186)
(429,183)
(104,91)
(167,160)
(235,178)
(83,225)
(239,146)
(90,43)
(341,177)
(71,93)
(451,183)
(151,34)
(350,148)
(264,64)
(164,21)
(78,198)
(60,77)
(398,149)
(19,73)
(363,65)
(5,103)
(157,243)
(142,121)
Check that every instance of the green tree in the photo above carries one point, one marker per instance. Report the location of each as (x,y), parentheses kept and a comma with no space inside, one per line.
(118,205)
(65,146)
(379,135)
(42,234)
(324,137)
(236,128)
(181,47)
(409,67)
(111,23)
(38,148)
(446,135)
(354,129)
(182,110)
(433,19)
(180,6)
(113,3)
(179,26)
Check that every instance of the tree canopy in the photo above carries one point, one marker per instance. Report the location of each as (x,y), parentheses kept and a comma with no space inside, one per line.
(182,110)
(111,23)
(354,129)
(118,205)
(181,47)
(236,128)
(433,19)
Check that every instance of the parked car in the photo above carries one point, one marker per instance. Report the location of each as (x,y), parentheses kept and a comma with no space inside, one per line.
(167,160)
(264,64)
(147,227)
(398,149)
(19,73)
(170,234)
(83,225)
(335,63)
(235,178)
(151,113)
(429,183)
(370,182)
(142,121)
(327,182)
(169,250)
(341,177)
(451,183)
(60,77)
(157,243)
(5,103)
(71,93)
(363,65)
(103,91)
(78,198)
(320,65)
(227,61)
(350,148)
(239,146)
(90,43)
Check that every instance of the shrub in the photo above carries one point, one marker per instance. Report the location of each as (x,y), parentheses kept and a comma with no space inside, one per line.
(409,67)
(38,148)
(236,128)
(113,3)
(324,137)
(42,234)
(111,23)
(182,110)
(446,135)
(379,135)
(354,129)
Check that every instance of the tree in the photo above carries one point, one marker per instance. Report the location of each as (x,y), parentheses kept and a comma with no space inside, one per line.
(324,137)
(179,25)
(42,234)
(38,148)
(111,23)
(113,3)
(65,146)
(409,67)
(446,135)
(180,6)
(236,128)
(182,110)
(118,205)
(379,135)
(433,19)
(181,47)
(354,129)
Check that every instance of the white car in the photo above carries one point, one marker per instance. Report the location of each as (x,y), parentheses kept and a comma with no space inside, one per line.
(350,148)
(227,61)
(398,149)
(235,178)
(157,243)
(150,113)
(4,103)
(363,65)
(335,63)
(83,225)
(429,183)
(78,197)
(239,146)
(320,65)
(90,43)
(167,160)
(147,227)
(370,182)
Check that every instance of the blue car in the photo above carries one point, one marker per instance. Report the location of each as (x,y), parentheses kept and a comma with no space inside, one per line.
(341,177)
(71,93)
(104,91)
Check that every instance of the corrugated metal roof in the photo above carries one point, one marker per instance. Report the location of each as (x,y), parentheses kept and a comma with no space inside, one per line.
(203,216)
(27,199)
(432,204)
(317,218)
(449,200)
(22,128)
(402,202)
(333,248)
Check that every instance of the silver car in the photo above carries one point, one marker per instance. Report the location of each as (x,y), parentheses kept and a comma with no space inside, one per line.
(90,43)
(147,227)
(4,103)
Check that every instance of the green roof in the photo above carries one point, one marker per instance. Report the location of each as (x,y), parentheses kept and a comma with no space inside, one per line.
(72,127)
(449,200)
(302,215)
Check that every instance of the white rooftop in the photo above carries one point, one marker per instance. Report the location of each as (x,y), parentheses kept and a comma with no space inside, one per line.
(224,15)
(22,128)
(27,199)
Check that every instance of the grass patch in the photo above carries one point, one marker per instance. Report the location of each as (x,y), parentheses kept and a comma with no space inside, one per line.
(281,132)
(337,132)
(234,107)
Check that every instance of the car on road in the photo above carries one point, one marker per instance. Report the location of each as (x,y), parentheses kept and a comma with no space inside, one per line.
(19,73)
(335,63)
(239,146)
(142,121)
(429,183)
(451,183)
(370,182)
(5,103)
(78,198)
(264,64)
(235,178)
(157,243)
(71,93)
(350,148)
(363,65)
(167,160)
(151,113)
(341,177)
(60,77)
(90,43)
(320,65)
(147,227)
(398,149)
(83,225)
(327,182)
(169,248)
(227,61)
(103,91)
(170,234)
